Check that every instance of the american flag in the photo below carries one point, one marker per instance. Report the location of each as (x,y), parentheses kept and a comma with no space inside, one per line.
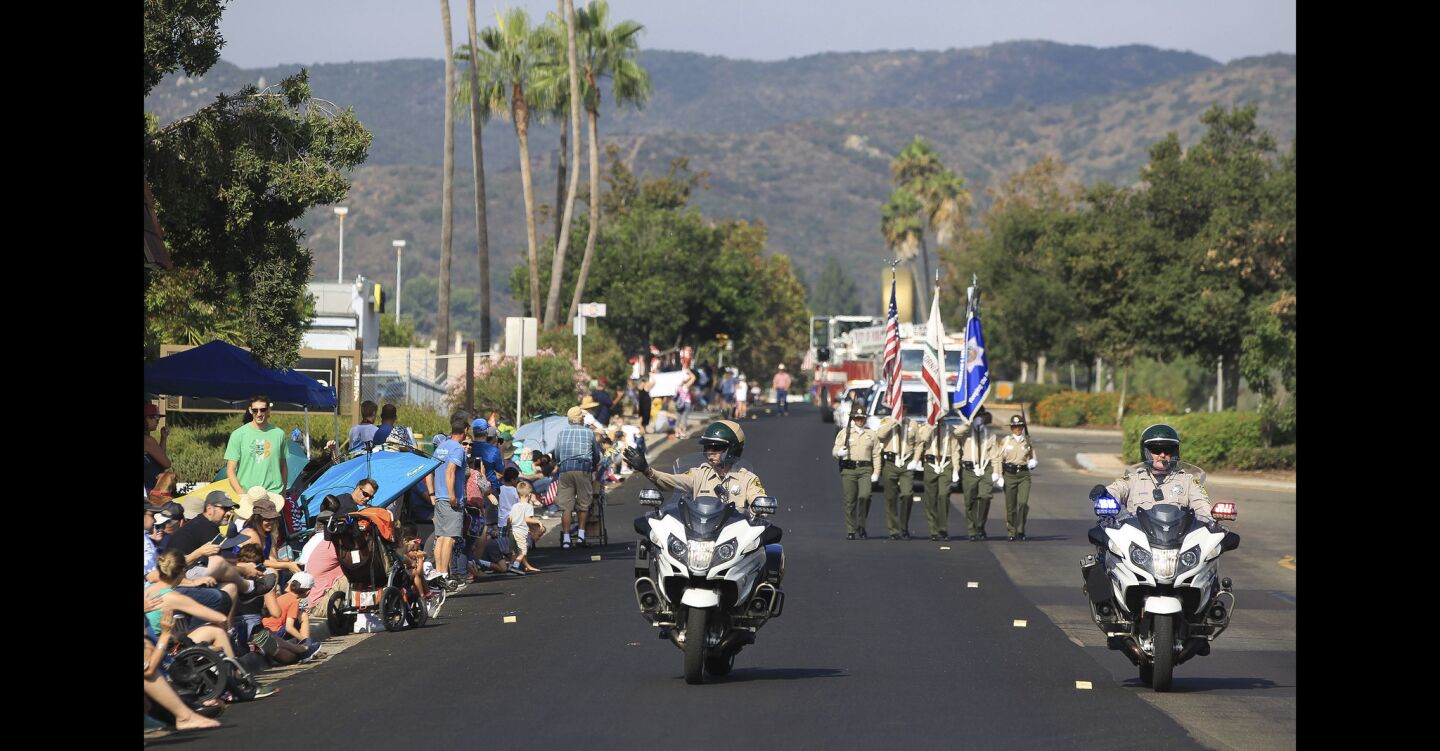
(891,365)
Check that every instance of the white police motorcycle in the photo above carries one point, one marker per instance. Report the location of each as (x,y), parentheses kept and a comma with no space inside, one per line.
(1157,594)
(707,573)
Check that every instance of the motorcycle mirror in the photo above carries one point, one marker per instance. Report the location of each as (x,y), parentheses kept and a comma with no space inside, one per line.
(650,497)
(1224,511)
(1106,505)
(765,504)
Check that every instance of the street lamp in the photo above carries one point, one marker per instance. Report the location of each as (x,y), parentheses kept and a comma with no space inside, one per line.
(341,211)
(399,251)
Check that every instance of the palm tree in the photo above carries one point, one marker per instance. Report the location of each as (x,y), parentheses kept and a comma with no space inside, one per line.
(515,49)
(904,233)
(562,242)
(442,325)
(940,202)
(605,52)
(477,157)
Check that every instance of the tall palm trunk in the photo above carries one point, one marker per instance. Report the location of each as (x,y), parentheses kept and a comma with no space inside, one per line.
(557,269)
(922,285)
(560,179)
(442,326)
(520,112)
(477,157)
(593,117)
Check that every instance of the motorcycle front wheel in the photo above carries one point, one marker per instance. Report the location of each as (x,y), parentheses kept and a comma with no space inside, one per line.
(695,624)
(1164,665)
(719,665)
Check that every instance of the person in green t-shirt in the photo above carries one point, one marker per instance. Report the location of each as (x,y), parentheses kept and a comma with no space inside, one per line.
(255,454)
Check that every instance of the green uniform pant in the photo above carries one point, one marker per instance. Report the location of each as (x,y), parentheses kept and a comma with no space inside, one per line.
(937,500)
(977,500)
(855,488)
(898,484)
(1017,501)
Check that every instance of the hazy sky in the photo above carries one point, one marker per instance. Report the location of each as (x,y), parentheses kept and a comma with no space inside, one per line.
(261,33)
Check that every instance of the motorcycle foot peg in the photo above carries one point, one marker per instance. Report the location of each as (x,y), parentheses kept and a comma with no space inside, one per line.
(1225,584)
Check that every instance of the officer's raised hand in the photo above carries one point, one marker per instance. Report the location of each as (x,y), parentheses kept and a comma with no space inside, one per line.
(636,460)
(1097,491)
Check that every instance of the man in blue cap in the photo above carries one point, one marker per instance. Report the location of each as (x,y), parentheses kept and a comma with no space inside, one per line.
(483,447)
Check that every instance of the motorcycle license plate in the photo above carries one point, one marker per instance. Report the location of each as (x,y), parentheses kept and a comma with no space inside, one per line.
(365,599)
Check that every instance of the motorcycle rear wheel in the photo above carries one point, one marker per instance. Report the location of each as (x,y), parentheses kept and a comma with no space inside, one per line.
(1164,665)
(695,623)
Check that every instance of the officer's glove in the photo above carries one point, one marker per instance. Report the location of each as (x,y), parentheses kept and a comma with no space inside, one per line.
(1032,464)
(1097,491)
(636,460)
(875,477)
(843,453)
(1000,481)
(954,475)
(914,466)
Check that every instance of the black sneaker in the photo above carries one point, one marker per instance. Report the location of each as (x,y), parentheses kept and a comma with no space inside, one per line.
(1023,538)
(862,534)
(905,535)
(895,536)
(944,535)
(934,538)
(263,585)
(1012,538)
(849,535)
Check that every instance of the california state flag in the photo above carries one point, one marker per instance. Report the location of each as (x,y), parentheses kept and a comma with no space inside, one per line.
(934,360)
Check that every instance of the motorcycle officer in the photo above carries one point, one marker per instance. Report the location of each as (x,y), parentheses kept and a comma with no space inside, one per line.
(722,441)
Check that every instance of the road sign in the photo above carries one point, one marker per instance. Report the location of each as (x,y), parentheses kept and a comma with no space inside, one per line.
(520,337)
(592,309)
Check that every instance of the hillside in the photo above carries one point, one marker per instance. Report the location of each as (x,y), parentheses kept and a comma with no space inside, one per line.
(816,181)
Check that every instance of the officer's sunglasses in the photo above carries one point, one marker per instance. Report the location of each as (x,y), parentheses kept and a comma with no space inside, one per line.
(1161,448)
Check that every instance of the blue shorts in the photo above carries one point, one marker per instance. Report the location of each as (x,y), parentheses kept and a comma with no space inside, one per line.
(210,597)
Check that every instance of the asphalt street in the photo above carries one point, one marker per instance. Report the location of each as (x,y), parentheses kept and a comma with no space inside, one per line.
(903,644)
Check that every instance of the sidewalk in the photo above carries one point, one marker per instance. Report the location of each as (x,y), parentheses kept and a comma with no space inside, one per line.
(1112,466)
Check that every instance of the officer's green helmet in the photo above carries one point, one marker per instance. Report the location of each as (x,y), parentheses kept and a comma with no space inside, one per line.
(724,433)
(1160,436)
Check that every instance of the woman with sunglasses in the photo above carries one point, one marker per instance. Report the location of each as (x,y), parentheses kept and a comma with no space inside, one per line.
(255,453)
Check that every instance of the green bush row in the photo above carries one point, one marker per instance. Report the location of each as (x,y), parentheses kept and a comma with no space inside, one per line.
(1275,457)
(1030,393)
(1067,409)
(1208,439)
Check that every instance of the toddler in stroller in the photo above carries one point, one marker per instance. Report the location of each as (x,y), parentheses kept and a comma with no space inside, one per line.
(365,547)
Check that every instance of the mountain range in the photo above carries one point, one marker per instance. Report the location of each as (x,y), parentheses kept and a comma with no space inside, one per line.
(802,145)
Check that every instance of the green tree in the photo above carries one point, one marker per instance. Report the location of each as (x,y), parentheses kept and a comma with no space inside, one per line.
(937,200)
(835,292)
(516,49)
(400,334)
(605,51)
(229,181)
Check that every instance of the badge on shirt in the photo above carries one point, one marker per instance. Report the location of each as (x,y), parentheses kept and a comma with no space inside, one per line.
(1176,488)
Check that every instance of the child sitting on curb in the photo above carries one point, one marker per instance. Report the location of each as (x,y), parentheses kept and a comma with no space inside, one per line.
(292,628)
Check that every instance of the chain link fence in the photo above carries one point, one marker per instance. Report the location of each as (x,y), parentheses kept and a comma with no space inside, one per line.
(406,376)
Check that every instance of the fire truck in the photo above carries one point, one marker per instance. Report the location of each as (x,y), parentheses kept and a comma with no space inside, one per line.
(844,349)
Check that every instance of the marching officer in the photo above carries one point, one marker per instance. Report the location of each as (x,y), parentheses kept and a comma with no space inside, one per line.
(939,449)
(980,457)
(1017,458)
(897,472)
(858,450)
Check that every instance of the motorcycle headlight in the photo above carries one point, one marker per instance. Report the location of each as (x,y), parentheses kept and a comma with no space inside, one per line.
(677,549)
(1140,556)
(1189,558)
(725,552)
(701,554)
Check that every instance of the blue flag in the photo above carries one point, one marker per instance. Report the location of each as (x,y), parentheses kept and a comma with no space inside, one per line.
(974,380)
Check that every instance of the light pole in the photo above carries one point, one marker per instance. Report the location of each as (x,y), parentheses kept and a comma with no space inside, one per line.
(341,211)
(399,251)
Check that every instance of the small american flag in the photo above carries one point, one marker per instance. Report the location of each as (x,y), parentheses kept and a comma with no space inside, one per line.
(891,364)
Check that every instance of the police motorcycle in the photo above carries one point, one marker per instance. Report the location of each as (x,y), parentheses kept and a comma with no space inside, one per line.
(1155,590)
(708,573)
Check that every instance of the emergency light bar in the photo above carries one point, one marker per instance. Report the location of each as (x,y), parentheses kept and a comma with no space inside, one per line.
(1224,511)
(1106,505)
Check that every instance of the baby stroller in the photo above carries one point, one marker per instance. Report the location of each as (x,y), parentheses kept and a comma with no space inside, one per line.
(378,579)
(199,673)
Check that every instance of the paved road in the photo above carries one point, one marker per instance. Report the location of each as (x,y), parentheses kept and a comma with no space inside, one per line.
(881,643)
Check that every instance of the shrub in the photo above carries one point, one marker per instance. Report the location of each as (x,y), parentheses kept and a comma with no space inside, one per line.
(1278,457)
(551,385)
(1207,439)
(1068,409)
(1030,393)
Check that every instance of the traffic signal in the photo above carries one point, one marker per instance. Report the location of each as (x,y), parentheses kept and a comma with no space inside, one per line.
(377,298)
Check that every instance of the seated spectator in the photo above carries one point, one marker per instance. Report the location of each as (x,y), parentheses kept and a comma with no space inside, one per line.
(211,580)
(292,627)
(360,497)
(524,526)
(250,611)
(545,465)
(494,559)
(170,567)
(159,690)
(167,523)
(319,560)
(264,529)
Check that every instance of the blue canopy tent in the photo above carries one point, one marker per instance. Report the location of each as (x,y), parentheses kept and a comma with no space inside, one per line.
(223,371)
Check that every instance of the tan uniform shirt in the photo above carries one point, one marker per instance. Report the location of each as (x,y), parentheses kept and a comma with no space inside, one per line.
(1016,450)
(940,443)
(1136,490)
(863,446)
(985,455)
(742,485)
(899,438)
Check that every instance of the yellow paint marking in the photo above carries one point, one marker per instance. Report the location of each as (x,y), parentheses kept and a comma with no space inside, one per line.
(1083,685)
(509,619)
(594,557)
(1288,562)
(1020,624)
(972,585)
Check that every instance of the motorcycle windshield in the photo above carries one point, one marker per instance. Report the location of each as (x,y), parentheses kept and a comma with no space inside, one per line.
(704,516)
(1165,524)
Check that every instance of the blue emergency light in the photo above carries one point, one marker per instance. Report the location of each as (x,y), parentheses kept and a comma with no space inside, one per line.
(1106,505)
